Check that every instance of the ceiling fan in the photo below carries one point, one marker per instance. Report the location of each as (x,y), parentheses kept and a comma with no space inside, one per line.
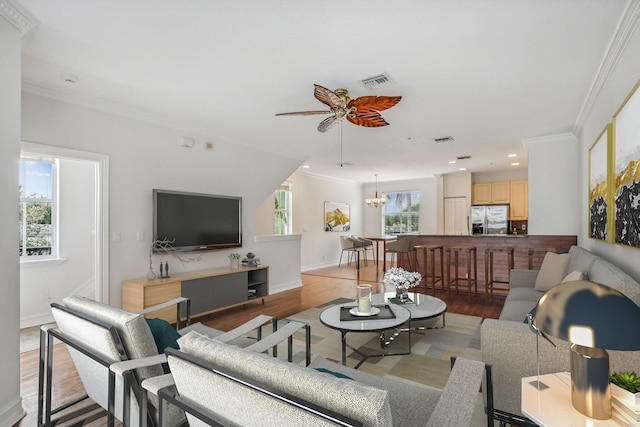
(361,111)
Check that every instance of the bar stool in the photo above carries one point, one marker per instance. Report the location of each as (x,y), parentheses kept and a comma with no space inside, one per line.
(469,251)
(538,252)
(429,274)
(489,280)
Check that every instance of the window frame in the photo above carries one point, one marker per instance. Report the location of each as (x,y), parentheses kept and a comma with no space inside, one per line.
(54,201)
(287,188)
(408,213)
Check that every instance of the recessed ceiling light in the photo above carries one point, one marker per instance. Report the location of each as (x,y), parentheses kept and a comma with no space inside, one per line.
(515,164)
(462,169)
(305,166)
(452,162)
(512,155)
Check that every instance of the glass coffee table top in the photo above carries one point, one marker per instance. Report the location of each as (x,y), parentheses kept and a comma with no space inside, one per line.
(421,307)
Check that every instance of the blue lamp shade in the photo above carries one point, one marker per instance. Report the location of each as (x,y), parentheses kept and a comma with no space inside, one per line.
(589,314)
(593,318)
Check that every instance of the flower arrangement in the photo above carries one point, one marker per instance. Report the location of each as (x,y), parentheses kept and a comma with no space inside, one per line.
(234,256)
(401,279)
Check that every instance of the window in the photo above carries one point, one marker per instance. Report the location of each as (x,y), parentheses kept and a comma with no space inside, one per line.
(38,179)
(402,213)
(283,209)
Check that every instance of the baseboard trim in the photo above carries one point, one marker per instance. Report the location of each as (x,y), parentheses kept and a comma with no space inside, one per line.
(285,286)
(36,320)
(12,413)
(306,268)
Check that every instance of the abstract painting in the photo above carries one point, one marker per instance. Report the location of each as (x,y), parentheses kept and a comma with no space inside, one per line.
(626,180)
(598,186)
(336,216)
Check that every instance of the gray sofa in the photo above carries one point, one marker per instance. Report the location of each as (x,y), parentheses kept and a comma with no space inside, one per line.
(365,399)
(510,347)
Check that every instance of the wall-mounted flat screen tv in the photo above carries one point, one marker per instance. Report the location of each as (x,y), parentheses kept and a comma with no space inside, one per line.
(197,222)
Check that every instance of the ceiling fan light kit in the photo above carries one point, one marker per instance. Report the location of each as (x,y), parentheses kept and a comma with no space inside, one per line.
(363,111)
(376,201)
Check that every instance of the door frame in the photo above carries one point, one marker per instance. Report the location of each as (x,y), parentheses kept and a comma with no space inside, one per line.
(101,217)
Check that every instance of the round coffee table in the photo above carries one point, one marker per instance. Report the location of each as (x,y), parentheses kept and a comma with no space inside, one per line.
(330,317)
(422,307)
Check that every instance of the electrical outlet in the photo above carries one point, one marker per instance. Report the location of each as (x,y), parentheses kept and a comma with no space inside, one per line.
(117,236)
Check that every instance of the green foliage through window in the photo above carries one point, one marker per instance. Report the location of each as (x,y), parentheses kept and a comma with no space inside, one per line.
(282,209)
(402,212)
(36,207)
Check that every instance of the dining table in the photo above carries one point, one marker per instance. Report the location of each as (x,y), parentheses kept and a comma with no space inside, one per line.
(383,240)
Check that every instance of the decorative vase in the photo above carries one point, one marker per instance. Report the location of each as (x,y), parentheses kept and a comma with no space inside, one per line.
(235,263)
(402,294)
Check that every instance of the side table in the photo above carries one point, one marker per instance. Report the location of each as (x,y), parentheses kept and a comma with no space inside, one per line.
(551,406)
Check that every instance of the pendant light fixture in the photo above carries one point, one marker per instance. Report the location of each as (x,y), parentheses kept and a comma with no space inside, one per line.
(376,201)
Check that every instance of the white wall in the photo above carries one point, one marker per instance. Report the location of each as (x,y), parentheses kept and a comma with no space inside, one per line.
(42,283)
(554,199)
(143,156)
(429,204)
(10,401)
(319,248)
(622,79)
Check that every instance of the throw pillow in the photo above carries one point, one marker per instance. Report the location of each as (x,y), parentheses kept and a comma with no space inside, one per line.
(573,276)
(552,271)
(165,336)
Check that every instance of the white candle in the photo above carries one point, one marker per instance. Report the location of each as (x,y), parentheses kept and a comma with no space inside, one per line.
(364,304)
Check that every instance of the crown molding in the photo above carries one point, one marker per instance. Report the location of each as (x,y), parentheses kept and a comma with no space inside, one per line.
(135,114)
(109,107)
(558,137)
(621,36)
(17,15)
(325,177)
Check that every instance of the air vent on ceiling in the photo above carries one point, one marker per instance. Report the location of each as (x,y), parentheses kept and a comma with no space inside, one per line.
(463,157)
(377,82)
(443,139)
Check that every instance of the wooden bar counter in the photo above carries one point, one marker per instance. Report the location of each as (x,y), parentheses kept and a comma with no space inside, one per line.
(520,243)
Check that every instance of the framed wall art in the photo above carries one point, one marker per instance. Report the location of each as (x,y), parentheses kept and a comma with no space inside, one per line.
(626,170)
(336,216)
(600,210)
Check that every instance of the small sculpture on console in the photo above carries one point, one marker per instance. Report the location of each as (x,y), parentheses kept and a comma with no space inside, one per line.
(251,260)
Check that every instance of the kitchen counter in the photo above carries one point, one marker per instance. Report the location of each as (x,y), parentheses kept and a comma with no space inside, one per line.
(521,244)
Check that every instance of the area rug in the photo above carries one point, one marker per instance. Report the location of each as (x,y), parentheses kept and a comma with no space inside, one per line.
(431,349)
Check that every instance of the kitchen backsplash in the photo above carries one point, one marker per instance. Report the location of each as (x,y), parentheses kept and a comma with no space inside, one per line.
(521,227)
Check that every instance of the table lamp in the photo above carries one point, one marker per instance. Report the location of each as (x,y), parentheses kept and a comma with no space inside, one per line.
(592,317)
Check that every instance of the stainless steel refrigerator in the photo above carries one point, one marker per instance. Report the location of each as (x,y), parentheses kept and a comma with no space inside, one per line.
(490,219)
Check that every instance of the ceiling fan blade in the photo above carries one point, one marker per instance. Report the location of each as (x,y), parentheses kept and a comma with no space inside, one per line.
(374,103)
(371,119)
(327,97)
(304,113)
(328,123)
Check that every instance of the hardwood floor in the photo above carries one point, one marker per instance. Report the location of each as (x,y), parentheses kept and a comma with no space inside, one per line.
(318,287)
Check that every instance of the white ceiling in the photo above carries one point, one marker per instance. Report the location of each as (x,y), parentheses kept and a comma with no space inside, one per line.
(489,73)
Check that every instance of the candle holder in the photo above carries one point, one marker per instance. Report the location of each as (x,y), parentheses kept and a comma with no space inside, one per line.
(363,298)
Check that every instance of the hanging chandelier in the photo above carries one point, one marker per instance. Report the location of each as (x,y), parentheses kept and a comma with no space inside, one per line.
(376,201)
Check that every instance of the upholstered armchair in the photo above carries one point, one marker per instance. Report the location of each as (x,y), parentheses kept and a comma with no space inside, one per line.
(99,336)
